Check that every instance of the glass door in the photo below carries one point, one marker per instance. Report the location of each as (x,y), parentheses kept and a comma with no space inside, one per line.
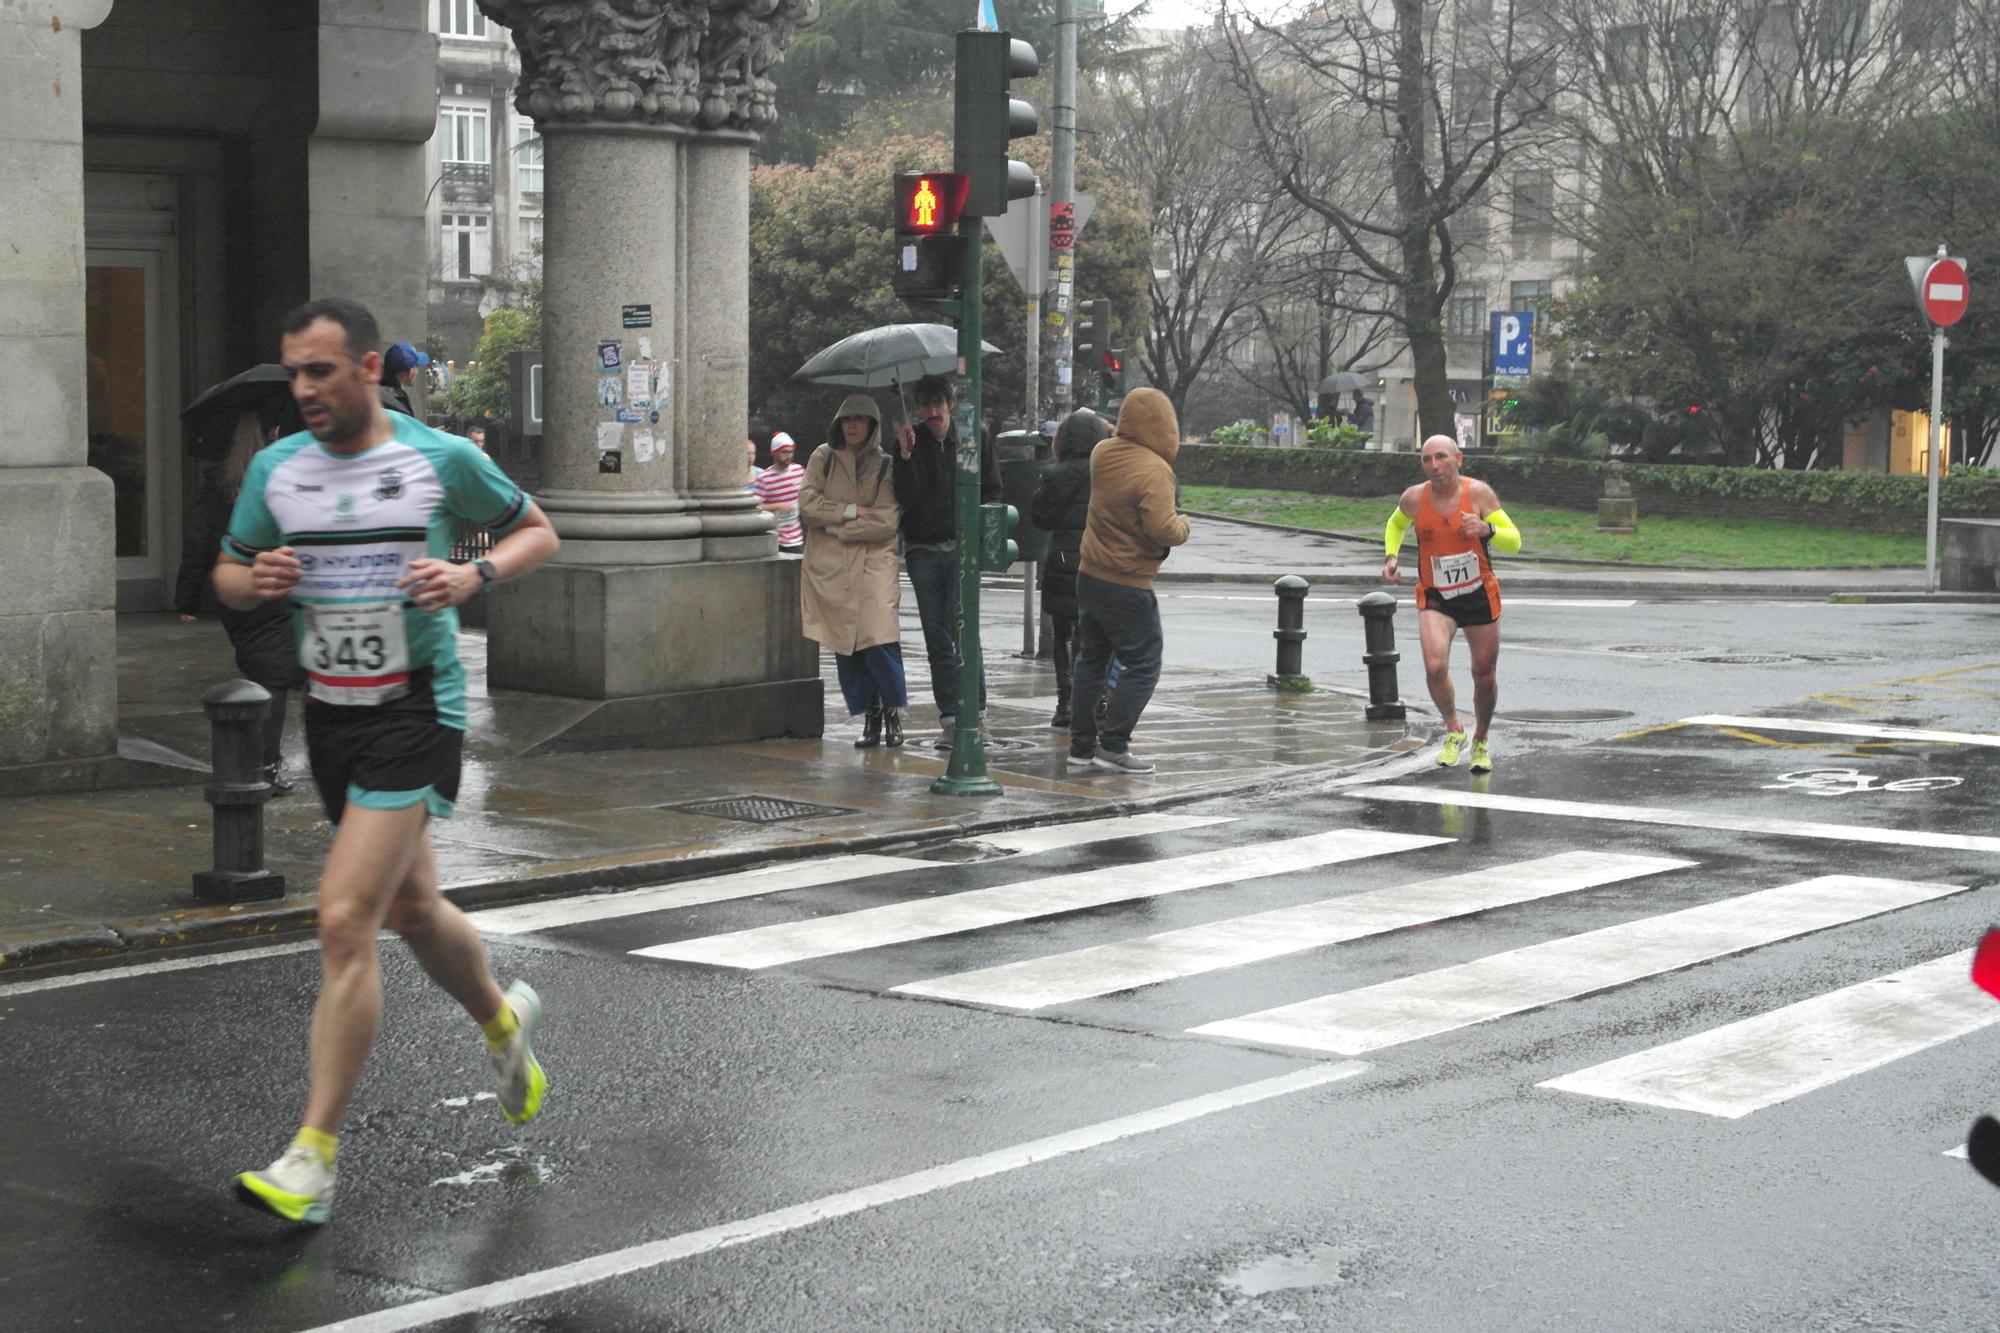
(123,333)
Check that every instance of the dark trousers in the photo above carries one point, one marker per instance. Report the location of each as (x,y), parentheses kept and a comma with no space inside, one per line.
(274,728)
(1062,650)
(934,578)
(872,678)
(1120,622)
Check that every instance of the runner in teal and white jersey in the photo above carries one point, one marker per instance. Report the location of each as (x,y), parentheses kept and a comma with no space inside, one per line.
(353,519)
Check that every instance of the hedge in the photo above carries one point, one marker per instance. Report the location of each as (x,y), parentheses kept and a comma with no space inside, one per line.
(1871,501)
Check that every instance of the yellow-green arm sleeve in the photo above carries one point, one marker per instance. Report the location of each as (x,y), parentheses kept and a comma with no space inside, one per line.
(1506,537)
(1392,535)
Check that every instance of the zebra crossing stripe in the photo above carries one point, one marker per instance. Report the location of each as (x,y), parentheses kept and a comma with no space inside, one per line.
(1745,1066)
(1409,1008)
(1055,837)
(1060,978)
(811,874)
(1701,819)
(1817,727)
(896,923)
(690,893)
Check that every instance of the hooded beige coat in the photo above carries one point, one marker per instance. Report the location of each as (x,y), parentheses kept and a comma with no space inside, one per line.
(1132,523)
(849,597)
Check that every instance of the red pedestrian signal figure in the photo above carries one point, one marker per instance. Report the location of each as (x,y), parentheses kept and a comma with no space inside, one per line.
(928,202)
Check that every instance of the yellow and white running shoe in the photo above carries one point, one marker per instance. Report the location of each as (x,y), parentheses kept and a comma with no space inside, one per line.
(517,1074)
(297,1187)
(1453,747)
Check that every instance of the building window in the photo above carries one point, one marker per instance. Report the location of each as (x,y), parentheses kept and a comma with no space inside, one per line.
(468,246)
(1530,295)
(1625,54)
(1694,41)
(527,157)
(461,18)
(462,133)
(1534,200)
(1927,24)
(530,231)
(1465,317)
(1471,96)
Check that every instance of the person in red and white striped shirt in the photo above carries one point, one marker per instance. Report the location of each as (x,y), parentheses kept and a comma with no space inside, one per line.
(777,488)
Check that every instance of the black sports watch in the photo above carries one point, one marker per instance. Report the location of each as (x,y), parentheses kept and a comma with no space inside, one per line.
(488,576)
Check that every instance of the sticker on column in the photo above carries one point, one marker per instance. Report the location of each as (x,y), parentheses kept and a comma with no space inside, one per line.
(608,357)
(639,385)
(645,347)
(642,446)
(607,391)
(636,317)
(609,461)
(610,436)
(663,378)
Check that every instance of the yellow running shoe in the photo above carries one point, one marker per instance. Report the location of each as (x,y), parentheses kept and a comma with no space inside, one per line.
(1454,744)
(1482,758)
(522,1084)
(297,1187)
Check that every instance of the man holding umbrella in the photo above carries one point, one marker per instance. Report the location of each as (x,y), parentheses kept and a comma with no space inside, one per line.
(926,478)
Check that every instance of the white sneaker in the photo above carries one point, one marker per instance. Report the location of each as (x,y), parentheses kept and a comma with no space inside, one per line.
(297,1187)
(1121,761)
(1082,760)
(517,1075)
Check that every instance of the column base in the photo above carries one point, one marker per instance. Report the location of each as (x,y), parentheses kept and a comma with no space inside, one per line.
(700,654)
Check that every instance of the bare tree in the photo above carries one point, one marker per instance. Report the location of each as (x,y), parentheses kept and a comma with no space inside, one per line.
(1448,91)
(1318,317)
(1177,134)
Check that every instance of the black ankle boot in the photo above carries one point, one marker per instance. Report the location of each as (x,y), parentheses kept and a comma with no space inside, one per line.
(892,730)
(1061,719)
(871,730)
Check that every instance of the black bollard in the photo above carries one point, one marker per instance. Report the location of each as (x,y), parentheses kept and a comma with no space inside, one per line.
(1290,634)
(238,786)
(1378,635)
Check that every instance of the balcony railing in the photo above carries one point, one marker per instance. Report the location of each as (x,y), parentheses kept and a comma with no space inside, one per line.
(476,174)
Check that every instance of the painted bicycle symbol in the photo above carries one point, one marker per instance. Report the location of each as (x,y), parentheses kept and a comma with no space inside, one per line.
(1849,781)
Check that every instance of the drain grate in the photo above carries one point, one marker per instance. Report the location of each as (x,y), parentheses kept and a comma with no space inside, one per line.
(757,809)
(1748,659)
(993,743)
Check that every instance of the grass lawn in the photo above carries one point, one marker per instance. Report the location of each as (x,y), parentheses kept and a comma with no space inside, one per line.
(1569,534)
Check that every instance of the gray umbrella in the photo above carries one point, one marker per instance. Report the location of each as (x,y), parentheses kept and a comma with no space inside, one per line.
(892,354)
(1341,381)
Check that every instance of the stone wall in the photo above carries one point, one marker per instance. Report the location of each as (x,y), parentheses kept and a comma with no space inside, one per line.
(1869,501)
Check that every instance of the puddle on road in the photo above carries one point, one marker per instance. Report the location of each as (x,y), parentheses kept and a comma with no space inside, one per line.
(508,1164)
(1285,1272)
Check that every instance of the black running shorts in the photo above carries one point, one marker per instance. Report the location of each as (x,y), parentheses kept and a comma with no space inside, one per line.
(1467,608)
(384,757)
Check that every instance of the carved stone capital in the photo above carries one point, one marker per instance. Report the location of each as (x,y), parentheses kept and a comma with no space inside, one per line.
(686,64)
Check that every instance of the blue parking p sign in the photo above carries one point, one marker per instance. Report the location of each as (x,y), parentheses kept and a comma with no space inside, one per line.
(1513,342)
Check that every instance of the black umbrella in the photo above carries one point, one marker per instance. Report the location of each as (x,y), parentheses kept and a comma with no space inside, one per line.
(265,390)
(891,354)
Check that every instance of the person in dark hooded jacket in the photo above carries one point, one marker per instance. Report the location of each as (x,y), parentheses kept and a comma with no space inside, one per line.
(1060,506)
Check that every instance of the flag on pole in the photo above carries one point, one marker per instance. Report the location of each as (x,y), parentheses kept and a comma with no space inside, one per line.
(988,22)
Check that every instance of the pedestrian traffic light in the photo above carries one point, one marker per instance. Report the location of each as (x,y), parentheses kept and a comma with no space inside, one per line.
(1114,372)
(985,118)
(1093,332)
(997,550)
(930,255)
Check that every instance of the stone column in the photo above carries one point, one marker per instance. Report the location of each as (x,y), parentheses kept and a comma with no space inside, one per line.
(668,601)
(58,642)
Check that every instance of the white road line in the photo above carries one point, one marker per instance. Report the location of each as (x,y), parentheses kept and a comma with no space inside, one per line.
(788,942)
(1745,1066)
(1844,729)
(1061,978)
(691,893)
(1055,837)
(12,988)
(1701,819)
(1428,1003)
(653,1254)
(1959,1152)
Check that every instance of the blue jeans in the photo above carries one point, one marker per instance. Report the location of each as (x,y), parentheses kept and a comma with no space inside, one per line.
(872,678)
(934,578)
(1121,622)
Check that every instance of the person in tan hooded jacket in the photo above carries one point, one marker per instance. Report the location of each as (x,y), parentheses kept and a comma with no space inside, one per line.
(1131,526)
(849,598)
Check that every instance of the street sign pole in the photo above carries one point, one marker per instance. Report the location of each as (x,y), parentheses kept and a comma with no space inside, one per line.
(966,774)
(1942,295)
(1937,434)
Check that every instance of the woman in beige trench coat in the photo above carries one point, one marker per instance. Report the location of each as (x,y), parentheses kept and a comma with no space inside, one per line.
(849,598)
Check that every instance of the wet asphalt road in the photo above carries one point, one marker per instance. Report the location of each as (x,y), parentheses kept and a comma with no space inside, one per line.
(1427,1183)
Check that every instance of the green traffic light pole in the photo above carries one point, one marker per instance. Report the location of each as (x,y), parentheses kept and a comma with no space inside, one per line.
(966,774)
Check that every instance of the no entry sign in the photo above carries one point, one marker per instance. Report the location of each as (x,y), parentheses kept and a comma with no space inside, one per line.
(1944,292)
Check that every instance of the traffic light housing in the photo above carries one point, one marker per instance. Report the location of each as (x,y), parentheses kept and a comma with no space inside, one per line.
(1112,372)
(1093,332)
(985,118)
(997,549)
(930,255)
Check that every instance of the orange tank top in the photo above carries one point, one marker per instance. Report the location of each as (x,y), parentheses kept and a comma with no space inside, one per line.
(1449,563)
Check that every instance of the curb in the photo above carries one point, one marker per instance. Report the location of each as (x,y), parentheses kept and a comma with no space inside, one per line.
(253,921)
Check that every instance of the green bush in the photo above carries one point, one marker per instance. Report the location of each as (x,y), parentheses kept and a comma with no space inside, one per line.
(1236,433)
